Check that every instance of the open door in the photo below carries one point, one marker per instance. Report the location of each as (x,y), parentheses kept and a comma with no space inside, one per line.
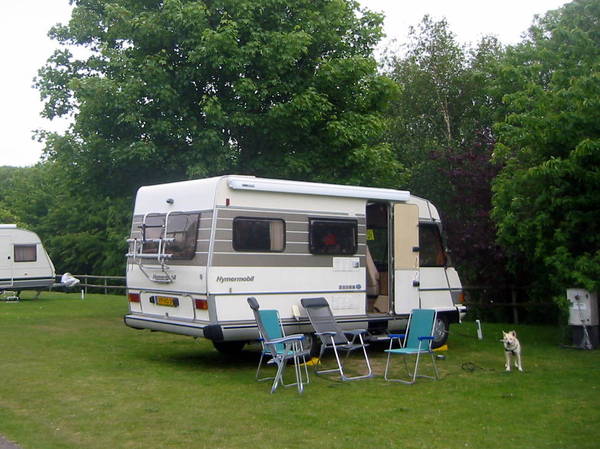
(406,257)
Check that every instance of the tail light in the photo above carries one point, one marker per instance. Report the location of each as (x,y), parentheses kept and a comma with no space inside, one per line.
(201,304)
(133,297)
(458,296)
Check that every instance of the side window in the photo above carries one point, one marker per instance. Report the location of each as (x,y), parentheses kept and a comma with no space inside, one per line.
(258,234)
(25,253)
(152,230)
(330,236)
(431,249)
(183,228)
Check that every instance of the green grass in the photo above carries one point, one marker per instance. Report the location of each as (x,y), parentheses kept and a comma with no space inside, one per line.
(73,376)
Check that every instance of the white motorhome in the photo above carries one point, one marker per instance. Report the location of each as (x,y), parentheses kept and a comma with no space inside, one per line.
(24,263)
(198,249)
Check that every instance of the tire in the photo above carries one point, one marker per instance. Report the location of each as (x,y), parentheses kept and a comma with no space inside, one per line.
(440,331)
(312,342)
(229,347)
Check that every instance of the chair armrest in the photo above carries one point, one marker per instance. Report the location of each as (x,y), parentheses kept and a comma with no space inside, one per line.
(295,337)
(396,335)
(331,334)
(430,337)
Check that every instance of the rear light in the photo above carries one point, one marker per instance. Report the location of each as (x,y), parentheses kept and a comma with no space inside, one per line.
(134,297)
(201,304)
(458,296)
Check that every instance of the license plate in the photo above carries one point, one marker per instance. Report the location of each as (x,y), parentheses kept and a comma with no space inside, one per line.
(167,301)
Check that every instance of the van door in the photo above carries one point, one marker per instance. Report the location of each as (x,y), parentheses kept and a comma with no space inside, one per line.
(6,262)
(406,257)
(435,285)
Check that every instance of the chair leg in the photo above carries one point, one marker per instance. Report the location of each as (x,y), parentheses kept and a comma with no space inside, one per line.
(435,370)
(391,379)
(262,356)
(297,369)
(324,347)
(416,367)
(369,370)
(412,374)
(435,376)
(279,375)
(367,363)
(302,378)
(387,365)
(262,359)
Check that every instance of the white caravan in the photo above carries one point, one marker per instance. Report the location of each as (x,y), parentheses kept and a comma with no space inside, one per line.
(24,263)
(198,249)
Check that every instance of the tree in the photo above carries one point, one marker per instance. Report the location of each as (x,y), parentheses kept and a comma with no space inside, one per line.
(82,235)
(441,132)
(547,195)
(184,88)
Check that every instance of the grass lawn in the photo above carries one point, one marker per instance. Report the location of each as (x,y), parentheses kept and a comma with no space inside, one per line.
(74,376)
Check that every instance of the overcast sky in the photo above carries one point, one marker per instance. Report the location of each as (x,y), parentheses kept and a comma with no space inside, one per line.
(25,47)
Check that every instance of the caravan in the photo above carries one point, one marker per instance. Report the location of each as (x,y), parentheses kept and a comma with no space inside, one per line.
(24,263)
(198,249)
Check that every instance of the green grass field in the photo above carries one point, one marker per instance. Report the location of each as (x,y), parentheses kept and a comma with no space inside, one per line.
(73,376)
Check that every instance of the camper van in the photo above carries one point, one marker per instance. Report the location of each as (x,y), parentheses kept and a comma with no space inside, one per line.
(24,263)
(198,249)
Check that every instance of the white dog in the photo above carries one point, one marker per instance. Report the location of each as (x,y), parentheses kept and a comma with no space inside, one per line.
(512,348)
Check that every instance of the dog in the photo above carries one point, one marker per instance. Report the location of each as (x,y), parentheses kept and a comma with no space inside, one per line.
(512,349)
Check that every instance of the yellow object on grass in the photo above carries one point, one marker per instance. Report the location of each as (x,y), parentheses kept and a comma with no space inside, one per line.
(312,362)
(442,348)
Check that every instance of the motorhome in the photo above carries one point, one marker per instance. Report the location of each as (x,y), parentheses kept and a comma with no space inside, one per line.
(198,249)
(24,263)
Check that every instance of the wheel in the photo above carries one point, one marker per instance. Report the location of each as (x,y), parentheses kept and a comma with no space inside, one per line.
(312,342)
(440,331)
(229,347)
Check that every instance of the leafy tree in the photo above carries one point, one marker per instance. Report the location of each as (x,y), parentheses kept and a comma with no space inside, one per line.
(82,235)
(470,230)
(441,131)
(9,177)
(547,195)
(185,88)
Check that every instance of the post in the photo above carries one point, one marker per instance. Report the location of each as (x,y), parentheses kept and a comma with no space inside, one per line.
(105,289)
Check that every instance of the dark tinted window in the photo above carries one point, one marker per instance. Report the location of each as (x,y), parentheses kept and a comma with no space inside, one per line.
(183,228)
(25,253)
(328,236)
(431,249)
(153,229)
(258,234)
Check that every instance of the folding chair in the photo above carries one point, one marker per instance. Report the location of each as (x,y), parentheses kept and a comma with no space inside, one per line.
(280,348)
(416,341)
(332,337)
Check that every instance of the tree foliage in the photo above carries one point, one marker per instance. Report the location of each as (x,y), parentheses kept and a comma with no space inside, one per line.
(441,132)
(82,235)
(176,89)
(547,195)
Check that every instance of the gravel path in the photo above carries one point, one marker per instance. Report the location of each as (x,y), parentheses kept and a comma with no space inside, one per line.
(5,444)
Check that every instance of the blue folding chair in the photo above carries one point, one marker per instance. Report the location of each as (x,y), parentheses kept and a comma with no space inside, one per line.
(279,348)
(416,341)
